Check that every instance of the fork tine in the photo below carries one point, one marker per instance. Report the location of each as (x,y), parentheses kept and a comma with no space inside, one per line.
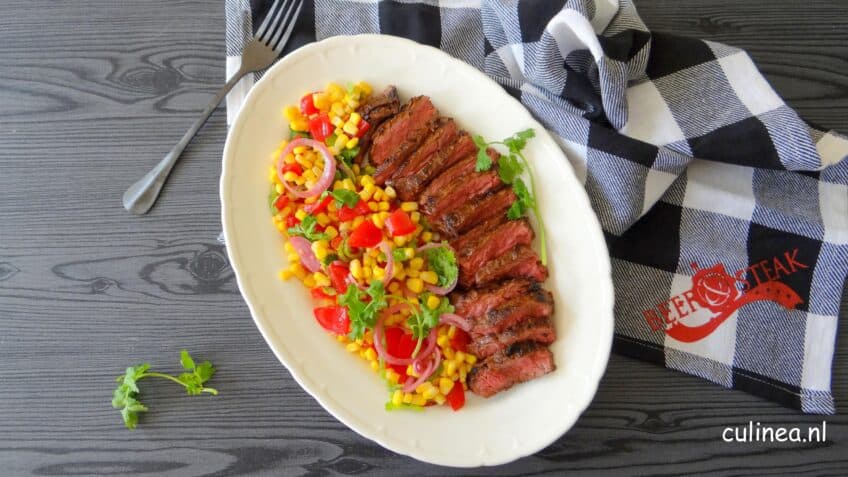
(264,26)
(288,23)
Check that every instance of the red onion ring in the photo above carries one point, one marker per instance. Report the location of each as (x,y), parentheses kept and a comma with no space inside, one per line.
(455,320)
(304,250)
(390,262)
(384,354)
(433,288)
(350,279)
(327,175)
(411,385)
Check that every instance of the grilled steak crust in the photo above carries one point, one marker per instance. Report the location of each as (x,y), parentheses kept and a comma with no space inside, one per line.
(515,364)
(376,110)
(463,218)
(478,231)
(539,304)
(409,187)
(520,262)
(441,138)
(540,330)
(491,245)
(398,157)
(391,134)
(476,302)
(465,166)
(462,189)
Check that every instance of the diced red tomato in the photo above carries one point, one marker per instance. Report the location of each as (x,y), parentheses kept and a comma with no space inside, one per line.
(366,235)
(307,106)
(339,276)
(333,319)
(460,340)
(281,202)
(456,397)
(320,127)
(318,293)
(336,242)
(318,207)
(291,221)
(346,213)
(293,167)
(399,224)
(399,344)
(362,128)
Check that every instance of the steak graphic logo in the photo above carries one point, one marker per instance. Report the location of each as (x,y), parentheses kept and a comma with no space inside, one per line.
(716,294)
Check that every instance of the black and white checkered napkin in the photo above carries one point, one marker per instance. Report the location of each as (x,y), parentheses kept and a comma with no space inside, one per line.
(729,266)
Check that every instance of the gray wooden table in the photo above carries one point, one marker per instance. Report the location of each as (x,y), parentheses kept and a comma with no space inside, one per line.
(92,93)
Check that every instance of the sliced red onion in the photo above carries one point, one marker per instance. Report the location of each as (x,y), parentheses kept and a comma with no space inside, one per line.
(411,385)
(350,279)
(455,320)
(304,250)
(390,262)
(436,290)
(327,175)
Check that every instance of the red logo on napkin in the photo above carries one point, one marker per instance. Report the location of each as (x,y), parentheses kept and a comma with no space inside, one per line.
(715,295)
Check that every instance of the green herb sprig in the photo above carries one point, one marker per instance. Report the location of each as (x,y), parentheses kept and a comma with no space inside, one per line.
(306,229)
(511,166)
(125,396)
(363,306)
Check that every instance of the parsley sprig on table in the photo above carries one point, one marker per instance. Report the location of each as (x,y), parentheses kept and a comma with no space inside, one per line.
(125,397)
(510,168)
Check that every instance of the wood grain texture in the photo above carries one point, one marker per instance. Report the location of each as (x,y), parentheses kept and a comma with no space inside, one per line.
(93,93)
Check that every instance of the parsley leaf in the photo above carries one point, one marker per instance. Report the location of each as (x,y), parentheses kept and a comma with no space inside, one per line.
(345,197)
(125,396)
(362,311)
(349,154)
(484,162)
(398,255)
(525,200)
(306,229)
(424,318)
(509,167)
(517,141)
(443,261)
(296,134)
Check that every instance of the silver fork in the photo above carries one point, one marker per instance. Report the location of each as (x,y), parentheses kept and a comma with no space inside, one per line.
(265,47)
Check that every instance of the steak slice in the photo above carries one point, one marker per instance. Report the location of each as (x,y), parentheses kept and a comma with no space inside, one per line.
(462,189)
(477,302)
(515,364)
(469,214)
(409,187)
(491,245)
(540,330)
(464,166)
(520,262)
(440,139)
(539,304)
(376,110)
(398,157)
(478,231)
(394,132)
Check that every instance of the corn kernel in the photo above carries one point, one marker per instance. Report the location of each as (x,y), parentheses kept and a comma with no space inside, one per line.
(399,241)
(367,261)
(364,87)
(354,118)
(299,124)
(415,216)
(357,221)
(394,287)
(336,121)
(352,347)
(413,273)
(407,398)
(408,206)
(370,354)
(378,273)
(451,331)
(293,257)
(470,359)
(392,376)
(409,252)
(418,401)
(400,272)
(430,277)
(298,271)
(289,176)
(462,375)
(335,91)
(309,281)
(459,357)
(415,285)
(300,214)
(356,269)
(364,180)
(289,247)
(385,206)
(450,367)
(397,397)
(440,399)
(300,149)
(352,103)
(290,159)
(410,371)
(291,113)
(427,236)
(416,263)
(423,387)
(445,385)
(321,101)
(331,232)
(337,109)
(321,280)
(348,184)
(449,352)
(432,301)
(366,271)
(378,221)
(375,366)
(285,274)
(352,143)
(443,341)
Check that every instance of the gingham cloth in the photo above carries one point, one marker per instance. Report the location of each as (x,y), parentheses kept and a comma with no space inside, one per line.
(726,215)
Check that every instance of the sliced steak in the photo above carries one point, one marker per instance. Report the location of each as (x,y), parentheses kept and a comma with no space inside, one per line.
(441,138)
(410,187)
(491,245)
(520,262)
(478,231)
(462,167)
(538,304)
(477,302)
(463,189)
(540,330)
(376,110)
(515,364)
(394,132)
(398,157)
(469,214)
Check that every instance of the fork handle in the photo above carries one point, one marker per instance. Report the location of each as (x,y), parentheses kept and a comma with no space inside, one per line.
(141,196)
